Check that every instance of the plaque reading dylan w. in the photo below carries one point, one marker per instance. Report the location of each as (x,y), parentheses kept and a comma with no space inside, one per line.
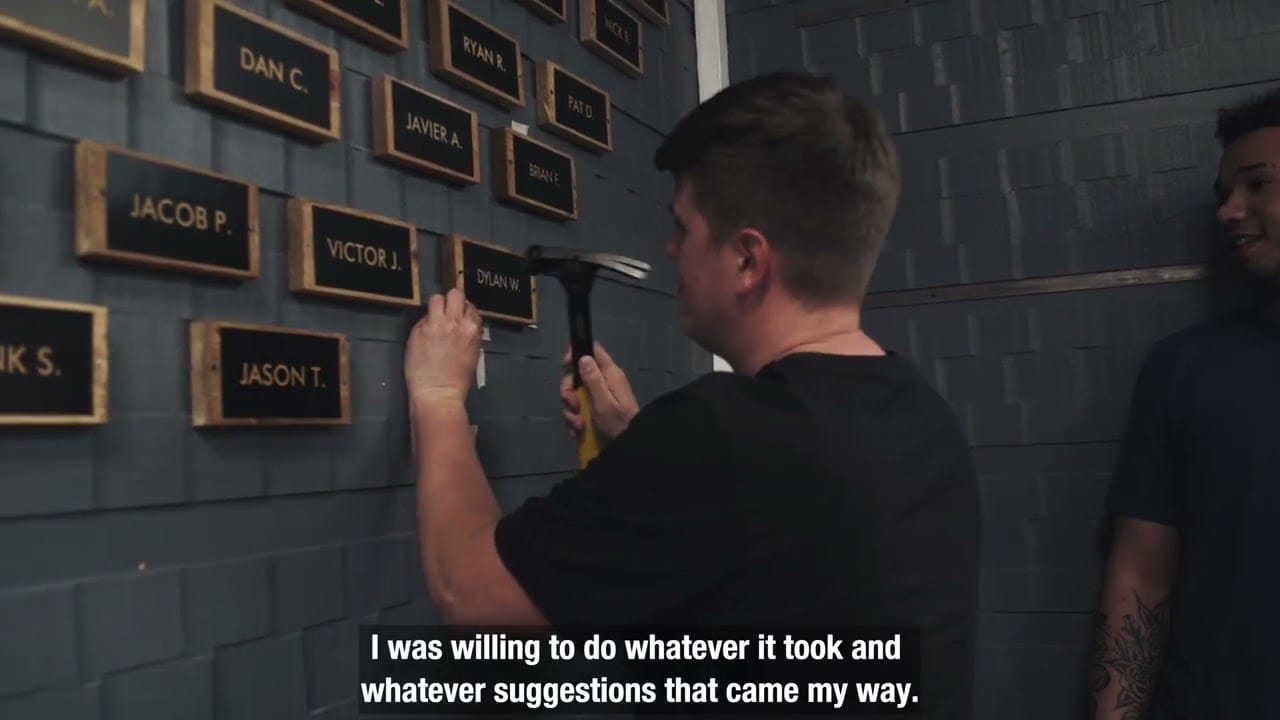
(53,362)
(549,10)
(244,374)
(534,175)
(419,130)
(138,209)
(382,23)
(494,278)
(474,55)
(655,11)
(613,34)
(261,70)
(342,252)
(107,35)
(574,108)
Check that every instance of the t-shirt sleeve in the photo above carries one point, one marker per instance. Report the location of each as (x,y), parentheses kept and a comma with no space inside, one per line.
(635,532)
(1145,481)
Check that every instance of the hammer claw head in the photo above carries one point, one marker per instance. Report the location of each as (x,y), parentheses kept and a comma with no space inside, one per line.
(544,260)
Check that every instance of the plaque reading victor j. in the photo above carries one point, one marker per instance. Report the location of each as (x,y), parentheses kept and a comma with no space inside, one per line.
(347,253)
(139,209)
(262,70)
(383,23)
(613,34)
(573,108)
(494,278)
(550,10)
(475,55)
(260,375)
(109,35)
(655,11)
(534,175)
(53,362)
(417,129)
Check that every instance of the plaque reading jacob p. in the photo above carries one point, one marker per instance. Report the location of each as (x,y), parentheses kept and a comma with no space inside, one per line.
(494,278)
(533,175)
(53,362)
(474,55)
(108,35)
(347,253)
(423,131)
(613,34)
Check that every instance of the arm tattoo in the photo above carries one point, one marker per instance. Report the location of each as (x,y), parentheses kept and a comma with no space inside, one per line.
(1131,654)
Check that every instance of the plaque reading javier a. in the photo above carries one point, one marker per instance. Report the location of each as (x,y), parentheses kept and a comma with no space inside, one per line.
(573,108)
(549,10)
(261,70)
(244,374)
(423,131)
(139,209)
(613,34)
(53,362)
(342,252)
(474,55)
(382,23)
(655,11)
(494,278)
(107,35)
(534,175)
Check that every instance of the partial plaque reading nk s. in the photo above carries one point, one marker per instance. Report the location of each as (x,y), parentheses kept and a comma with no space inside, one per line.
(550,10)
(261,70)
(613,34)
(245,374)
(53,362)
(494,278)
(382,23)
(423,131)
(342,252)
(142,210)
(107,35)
(533,175)
(573,108)
(474,55)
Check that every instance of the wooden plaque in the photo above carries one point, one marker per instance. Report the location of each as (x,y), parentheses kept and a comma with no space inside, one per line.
(534,175)
(347,253)
(613,34)
(53,362)
(143,210)
(655,11)
(496,279)
(107,35)
(474,55)
(381,23)
(263,71)
(549,10)
(243,374)
(574,108)
(423,131)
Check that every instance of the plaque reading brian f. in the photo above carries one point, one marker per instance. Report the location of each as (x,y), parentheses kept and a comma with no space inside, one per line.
(549,10)
(262,70)
(613,34)
(534,175)
(573,108)
(382,23)
(261,375)
(108,35)
(475,55)
(53,362)
(419,130)
(138,209)
(494,278)
(347,253)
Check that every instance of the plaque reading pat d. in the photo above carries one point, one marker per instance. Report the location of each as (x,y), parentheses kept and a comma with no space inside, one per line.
(245,374)
(494,278)
(655,11)
(549,10)
(53,362)
(573,108)
(474,55)
(613,34)
(107,35)
(383,23)
(534,175)
(346,253)
(138,209)
(262,70)
(416,129)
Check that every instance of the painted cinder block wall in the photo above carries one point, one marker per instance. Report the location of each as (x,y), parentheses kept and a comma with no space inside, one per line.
(151,571)
(1038,138)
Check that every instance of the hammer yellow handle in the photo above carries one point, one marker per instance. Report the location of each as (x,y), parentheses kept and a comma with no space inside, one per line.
(588,441)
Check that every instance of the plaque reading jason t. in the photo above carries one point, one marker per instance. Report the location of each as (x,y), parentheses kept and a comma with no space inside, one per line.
(474,55)
(613,34)
(423,131)
(383,23)
(262,70)
(109,35)
(347,253)
(494,278)
(534,175)
(573,108)
(53,362)
(244,374)
(549,10)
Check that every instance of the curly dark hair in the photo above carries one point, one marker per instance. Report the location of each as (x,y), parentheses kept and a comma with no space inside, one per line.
(1259,111)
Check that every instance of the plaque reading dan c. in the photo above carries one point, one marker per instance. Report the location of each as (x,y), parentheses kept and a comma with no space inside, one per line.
(474,55)
(573,108)
(494,278)
(261,70)
(53,362)
(533,175)
(382,23)
(108,35)
(143,210)
(342,252)
(613,34)
(243,374)
(423,131)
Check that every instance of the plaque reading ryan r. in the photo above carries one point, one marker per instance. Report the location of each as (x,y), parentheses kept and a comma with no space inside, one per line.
(494,278)
(53,362)
(613,34)
(573,108)
(108,35)
(533,175)
(382,23)
(420,130)
(347,253)
(474,55)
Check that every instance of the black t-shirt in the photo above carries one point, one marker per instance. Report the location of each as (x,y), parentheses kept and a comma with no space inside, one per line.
(1201,452)
(824,490)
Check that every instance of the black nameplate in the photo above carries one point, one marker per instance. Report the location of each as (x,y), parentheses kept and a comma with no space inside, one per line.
(534,175)
(53,362)
(550,10)
(655,11)
(346,253)
(261,70)
(494,278)
(417,129)
(108,35)
(573,108)
(142,210)
(259,375)
(383,23)
(475,55)
(613,34)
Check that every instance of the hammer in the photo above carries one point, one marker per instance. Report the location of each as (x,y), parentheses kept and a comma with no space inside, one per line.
(576,271)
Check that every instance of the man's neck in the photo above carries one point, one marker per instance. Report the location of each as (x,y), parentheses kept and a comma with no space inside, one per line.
(833,332)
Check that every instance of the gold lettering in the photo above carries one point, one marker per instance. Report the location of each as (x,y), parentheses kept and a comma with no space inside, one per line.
(547,176)
(11,359)
(168,211)
(489,278)
(581,107)
(219,221)
(482,53)
(431,129)
(360,254)
(100,6)
(271,69)
(294,74)
(45,357)
(616,29)
(278,375)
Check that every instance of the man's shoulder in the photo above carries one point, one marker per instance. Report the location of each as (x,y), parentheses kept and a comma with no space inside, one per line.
(1184,346)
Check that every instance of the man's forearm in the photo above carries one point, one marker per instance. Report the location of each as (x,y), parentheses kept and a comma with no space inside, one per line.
(1131,635)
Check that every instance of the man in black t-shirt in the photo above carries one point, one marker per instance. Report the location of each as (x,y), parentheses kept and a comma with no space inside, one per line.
(823,482)
(1188,627)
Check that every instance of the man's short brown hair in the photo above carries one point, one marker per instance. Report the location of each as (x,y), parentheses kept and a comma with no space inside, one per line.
(792,156)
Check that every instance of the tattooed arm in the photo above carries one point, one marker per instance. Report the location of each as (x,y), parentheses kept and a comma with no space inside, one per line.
(1133,622)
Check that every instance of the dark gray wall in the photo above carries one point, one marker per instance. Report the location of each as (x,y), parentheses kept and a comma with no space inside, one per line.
(1038,138)
(148,570)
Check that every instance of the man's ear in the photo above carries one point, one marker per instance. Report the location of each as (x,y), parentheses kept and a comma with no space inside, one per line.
(753,257)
